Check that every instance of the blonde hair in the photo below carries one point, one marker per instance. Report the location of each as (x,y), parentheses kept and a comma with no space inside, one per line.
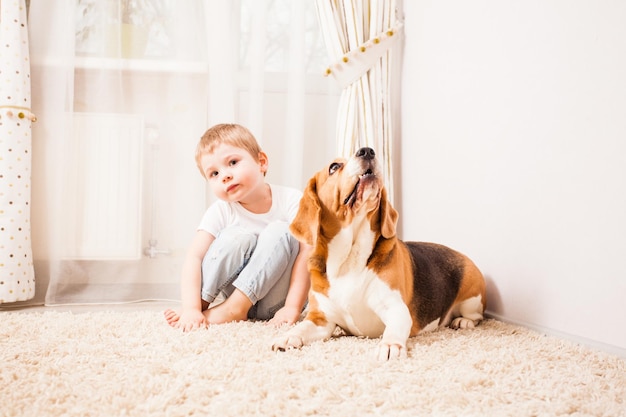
(230,134)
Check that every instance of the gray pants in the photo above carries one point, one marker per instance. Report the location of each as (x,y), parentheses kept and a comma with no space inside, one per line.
(257,265)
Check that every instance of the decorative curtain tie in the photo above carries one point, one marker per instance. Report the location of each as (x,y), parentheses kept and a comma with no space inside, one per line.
(357,62)
(19,112)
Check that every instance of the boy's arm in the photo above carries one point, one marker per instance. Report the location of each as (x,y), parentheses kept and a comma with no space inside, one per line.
(298,289)
(191,316)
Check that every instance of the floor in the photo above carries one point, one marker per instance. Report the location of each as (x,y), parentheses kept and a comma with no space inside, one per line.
(83,308)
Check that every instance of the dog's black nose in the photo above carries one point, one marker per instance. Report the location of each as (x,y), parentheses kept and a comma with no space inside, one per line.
(366,153)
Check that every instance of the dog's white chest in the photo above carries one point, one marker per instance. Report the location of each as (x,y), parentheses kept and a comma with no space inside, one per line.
(349,303)
(356,297)
(350,249)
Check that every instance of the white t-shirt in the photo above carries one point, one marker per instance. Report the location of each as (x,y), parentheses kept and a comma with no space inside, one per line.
(222,214)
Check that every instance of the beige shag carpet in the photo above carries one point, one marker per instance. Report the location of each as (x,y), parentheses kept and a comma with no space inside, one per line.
(133,364)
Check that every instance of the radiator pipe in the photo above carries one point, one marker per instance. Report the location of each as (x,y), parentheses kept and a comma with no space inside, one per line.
(152,250)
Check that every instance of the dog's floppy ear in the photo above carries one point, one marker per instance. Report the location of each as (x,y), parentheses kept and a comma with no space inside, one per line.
(388,216)
(305,225)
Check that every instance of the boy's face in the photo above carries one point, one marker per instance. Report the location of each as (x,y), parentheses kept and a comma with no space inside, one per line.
(233,174)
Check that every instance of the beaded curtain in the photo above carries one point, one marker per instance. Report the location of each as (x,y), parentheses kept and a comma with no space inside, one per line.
(17,277)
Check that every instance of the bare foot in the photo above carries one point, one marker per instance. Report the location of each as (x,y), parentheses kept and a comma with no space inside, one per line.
(186,320)
(234,308)
(171,317)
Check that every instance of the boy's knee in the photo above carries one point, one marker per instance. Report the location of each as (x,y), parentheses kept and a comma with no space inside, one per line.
(279,231)
(230,241)
(236,234)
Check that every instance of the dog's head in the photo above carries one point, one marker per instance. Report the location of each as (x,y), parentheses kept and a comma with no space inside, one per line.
(343,191)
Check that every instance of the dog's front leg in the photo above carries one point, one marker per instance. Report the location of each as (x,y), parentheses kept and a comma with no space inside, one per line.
(304,333)
(397,320)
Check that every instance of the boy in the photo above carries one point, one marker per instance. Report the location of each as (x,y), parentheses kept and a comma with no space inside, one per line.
(243,249)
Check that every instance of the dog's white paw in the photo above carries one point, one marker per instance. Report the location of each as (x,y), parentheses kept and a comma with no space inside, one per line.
(286,342)
(387,351)
(462,323)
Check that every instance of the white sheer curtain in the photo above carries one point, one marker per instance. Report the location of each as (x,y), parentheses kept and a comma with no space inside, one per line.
(362,40)
(123,95)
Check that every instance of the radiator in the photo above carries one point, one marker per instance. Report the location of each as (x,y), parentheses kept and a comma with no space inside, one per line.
(104,198)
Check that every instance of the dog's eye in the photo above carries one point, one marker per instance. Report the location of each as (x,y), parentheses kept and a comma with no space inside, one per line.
(334,167)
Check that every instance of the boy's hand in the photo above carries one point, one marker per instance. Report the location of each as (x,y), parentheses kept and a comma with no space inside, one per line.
(287,314)
(191,320)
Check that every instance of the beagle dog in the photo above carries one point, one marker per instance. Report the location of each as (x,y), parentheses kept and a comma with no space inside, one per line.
(366,280)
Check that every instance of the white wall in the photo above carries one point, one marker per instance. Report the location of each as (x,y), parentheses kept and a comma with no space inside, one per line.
(514,152)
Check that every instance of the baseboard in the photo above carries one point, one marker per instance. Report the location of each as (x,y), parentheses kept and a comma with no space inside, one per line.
(593,344)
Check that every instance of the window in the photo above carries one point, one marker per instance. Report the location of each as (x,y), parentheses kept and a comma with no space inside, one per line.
(163,30)
(278,21)
(126,28)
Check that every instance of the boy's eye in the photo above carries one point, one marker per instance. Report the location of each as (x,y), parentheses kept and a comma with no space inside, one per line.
(334,167)
(233,162)
(213,174)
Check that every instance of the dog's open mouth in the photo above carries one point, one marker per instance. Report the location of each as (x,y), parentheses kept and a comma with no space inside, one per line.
(363,179)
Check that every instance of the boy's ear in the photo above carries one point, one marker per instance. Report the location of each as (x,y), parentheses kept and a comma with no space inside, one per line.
(263,162)
(305,225)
